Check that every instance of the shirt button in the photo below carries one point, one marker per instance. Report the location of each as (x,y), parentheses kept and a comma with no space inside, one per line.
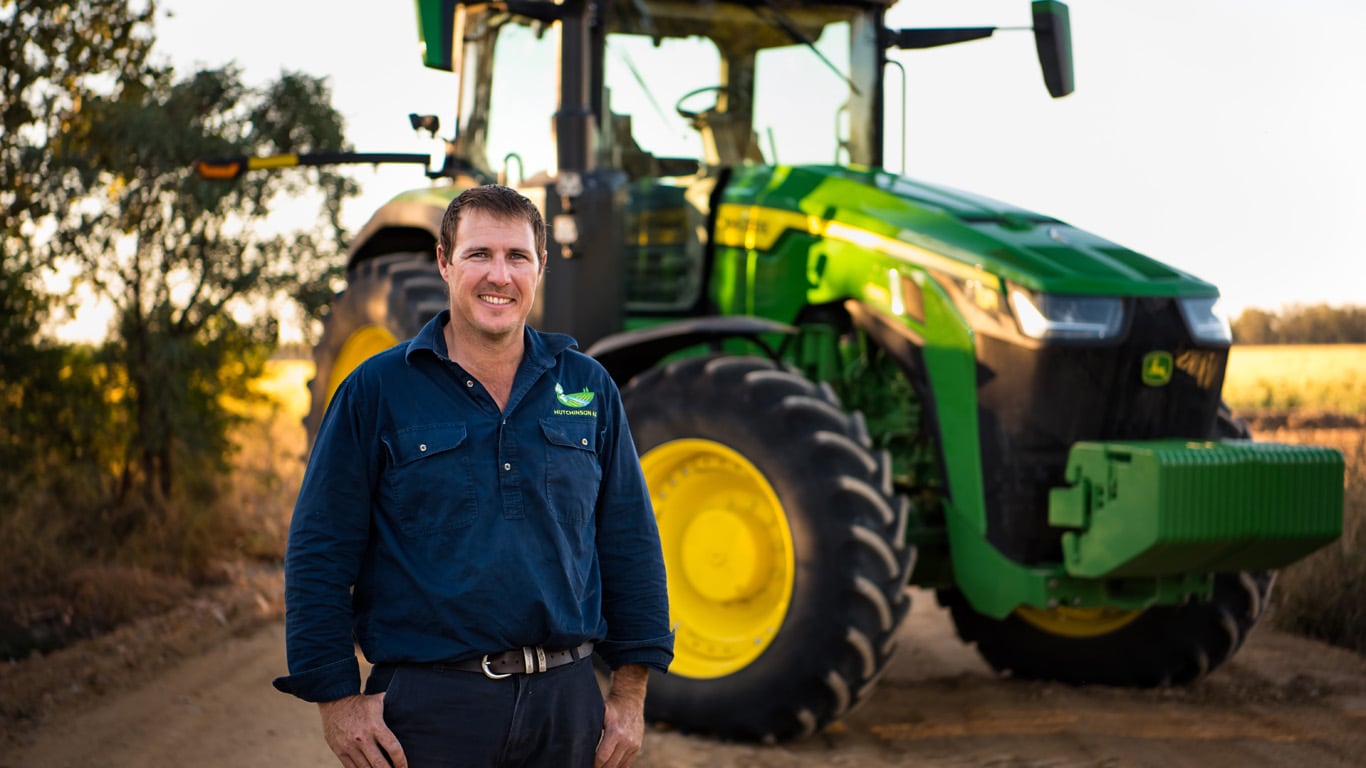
(469,382)
(583,441)
(507,467)
(422,447)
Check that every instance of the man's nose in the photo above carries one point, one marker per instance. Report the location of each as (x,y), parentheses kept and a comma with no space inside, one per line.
(500,271)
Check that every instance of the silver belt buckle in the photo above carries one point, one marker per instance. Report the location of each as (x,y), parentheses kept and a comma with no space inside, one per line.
(533,661)
(490,674)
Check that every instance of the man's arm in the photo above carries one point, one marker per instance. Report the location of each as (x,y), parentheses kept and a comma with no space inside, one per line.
(623,724)
(355,730)
(635,599)
(328,535)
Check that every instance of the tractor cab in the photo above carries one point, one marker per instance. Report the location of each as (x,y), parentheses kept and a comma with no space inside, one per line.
(651,107)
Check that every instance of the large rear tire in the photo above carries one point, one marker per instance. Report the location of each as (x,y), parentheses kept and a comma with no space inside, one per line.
(784,544)
(387,299)
(1164,645)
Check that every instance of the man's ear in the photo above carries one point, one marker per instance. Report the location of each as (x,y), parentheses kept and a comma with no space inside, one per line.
(441,260)
(543,261)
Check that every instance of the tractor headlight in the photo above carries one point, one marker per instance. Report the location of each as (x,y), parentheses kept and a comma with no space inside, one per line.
(1207,320)
(1048,316)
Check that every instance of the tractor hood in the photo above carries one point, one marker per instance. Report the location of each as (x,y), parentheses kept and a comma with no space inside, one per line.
(949,226)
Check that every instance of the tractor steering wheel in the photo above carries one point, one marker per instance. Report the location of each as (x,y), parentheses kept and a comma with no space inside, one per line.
(690,115)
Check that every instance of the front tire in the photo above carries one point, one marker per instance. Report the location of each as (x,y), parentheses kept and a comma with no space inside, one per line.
(783,542)
(1163,645)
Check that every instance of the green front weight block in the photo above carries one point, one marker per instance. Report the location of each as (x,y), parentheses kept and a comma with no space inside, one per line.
(1156,508)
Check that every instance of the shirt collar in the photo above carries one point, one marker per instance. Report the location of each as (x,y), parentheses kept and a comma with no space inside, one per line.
(539,348)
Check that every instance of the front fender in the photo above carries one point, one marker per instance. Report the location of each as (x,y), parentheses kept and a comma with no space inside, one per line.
(628,353)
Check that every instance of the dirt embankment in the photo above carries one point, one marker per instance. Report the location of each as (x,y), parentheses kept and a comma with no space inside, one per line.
(192,688)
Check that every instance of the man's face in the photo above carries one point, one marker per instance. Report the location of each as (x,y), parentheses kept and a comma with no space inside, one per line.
(491,274)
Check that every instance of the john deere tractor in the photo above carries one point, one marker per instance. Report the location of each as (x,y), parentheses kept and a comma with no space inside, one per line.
(842,380)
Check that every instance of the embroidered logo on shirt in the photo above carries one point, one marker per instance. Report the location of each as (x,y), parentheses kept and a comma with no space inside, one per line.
(576,400)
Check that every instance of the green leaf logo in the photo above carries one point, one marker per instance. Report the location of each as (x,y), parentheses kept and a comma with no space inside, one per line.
(576,400)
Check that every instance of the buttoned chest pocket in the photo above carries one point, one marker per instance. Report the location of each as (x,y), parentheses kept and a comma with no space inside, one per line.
(572,470)
(428,486)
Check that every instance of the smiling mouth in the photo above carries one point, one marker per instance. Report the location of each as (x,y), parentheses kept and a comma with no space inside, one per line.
(495,299)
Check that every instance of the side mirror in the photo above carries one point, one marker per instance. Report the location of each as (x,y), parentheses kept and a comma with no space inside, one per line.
(1053,39)
(441,32)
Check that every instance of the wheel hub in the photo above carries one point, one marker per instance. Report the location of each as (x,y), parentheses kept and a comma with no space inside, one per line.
(722,558)
(728,552)
(1078,622)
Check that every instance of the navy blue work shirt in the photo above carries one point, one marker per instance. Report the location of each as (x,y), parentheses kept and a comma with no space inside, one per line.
(433,527)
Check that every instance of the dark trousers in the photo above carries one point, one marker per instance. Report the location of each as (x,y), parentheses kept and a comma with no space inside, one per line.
(448,718)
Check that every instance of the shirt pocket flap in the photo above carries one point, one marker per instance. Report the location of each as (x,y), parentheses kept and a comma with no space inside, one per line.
(570,433)
(420,442)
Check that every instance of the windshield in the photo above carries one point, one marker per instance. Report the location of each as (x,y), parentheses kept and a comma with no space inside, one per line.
(716,83)
(795,97)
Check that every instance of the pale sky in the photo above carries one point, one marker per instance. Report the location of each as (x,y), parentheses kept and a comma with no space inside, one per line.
(1224,137)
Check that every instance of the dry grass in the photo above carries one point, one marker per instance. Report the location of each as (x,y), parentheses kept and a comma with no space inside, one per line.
(53,591)
(1324,595)
(269,465)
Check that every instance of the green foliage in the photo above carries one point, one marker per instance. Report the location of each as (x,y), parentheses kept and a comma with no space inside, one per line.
(56,427)
(118,453)
(66,53)
(58,439)
(182,259)
(1302,324)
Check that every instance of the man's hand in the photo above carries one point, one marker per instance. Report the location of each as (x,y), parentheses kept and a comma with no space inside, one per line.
(623,723)
(355,730)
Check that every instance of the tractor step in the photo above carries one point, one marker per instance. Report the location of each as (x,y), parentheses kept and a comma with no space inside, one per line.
(1157,508)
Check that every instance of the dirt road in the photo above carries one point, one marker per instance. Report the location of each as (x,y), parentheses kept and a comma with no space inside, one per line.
(1283,701)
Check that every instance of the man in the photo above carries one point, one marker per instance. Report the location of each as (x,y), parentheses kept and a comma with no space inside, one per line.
(475,516)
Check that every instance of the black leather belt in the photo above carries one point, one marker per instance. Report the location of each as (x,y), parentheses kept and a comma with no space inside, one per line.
(527,660)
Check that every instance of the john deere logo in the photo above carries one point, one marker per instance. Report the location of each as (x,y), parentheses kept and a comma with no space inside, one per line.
(1157,369)
(576,400)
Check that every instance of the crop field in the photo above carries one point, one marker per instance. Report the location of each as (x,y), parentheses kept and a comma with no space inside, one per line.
(1325,378)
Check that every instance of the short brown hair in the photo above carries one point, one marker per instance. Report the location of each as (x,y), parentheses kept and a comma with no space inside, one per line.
(496,200)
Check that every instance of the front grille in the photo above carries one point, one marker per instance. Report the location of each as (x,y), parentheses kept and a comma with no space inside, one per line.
(1035,403)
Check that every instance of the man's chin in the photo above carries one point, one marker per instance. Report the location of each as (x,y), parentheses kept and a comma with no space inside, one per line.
(499,330)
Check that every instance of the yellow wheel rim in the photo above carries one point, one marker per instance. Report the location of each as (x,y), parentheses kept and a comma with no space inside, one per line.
(1077,622)
(729,554)
(368,341)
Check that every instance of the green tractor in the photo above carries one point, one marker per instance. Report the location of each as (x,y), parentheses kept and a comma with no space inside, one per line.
(841,380)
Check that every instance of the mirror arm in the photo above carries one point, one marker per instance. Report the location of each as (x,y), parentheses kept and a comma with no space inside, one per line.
(915,39)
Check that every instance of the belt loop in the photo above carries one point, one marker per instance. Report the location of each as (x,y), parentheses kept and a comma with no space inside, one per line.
(526,660)
(540,659)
